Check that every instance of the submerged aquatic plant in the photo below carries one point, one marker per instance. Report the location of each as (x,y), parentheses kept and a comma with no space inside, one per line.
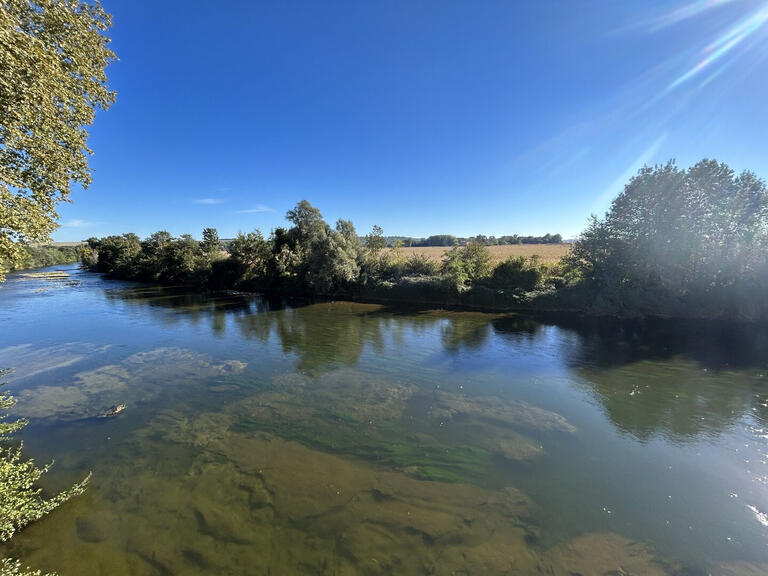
(21,501)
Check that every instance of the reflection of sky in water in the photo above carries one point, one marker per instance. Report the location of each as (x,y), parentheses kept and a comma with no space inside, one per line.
(670,445)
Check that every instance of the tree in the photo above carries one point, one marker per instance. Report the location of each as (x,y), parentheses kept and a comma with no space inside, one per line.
(251,252)
(53,57)
(152,259)
(466,266)
(375,241)
(696,236)
(182,260)
(321,258)
(306,219)
(438,240)
(211,244)
(119,255)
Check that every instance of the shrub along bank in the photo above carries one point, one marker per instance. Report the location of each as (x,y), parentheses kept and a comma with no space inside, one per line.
(686,243)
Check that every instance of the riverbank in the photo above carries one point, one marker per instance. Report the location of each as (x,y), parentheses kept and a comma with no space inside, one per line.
(417,294)
(37,257)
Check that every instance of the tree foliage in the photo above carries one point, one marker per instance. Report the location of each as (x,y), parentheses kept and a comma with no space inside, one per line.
(675,242)
(673,237)
(44,256)
(211,244)
(467,265)
(518,271)
(309,257)
(252,253)
(21,501)
(53,56)
(375,241)
(10,567)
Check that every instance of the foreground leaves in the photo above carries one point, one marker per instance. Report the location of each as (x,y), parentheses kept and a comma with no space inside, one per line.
(21,501)
(53,56)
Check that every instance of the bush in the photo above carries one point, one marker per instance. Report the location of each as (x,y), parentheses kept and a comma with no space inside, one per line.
(21,502)
(465,266)
(420,265)
(516,273)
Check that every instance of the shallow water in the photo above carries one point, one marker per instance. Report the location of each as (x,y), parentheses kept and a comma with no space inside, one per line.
(266,437)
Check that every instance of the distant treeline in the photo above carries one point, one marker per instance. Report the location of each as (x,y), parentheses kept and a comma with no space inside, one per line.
(675,242)
(44,256)
(449,240)
(314,258)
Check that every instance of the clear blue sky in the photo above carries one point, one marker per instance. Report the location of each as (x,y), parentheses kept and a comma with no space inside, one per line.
(423,117)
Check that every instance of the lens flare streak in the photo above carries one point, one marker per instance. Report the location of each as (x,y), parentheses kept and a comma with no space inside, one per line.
(725,44)
(688,11)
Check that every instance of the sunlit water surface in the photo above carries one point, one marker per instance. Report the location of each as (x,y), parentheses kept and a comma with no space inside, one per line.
(335,438)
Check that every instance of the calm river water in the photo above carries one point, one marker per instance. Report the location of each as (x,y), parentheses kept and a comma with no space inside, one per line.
(336,438)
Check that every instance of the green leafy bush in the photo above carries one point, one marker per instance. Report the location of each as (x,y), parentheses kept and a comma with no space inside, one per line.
(21,501)
(516,273)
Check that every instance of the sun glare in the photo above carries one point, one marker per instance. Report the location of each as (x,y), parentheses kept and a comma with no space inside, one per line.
(726,43)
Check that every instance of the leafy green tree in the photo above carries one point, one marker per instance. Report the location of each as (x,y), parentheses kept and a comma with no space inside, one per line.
(374,257)
(477,260)
(321,258)
(375,241)
(152,260)
(348,255)
(680,238)
(183,260)
(119,255)
(467,265)
(211,244)
(454,269)
(43,256)
(53,56)
(438,240)
(307,221)
(252,253)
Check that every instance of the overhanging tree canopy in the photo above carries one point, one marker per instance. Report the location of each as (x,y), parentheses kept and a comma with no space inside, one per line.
(53,56)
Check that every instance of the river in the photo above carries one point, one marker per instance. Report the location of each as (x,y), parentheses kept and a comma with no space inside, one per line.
(271,437)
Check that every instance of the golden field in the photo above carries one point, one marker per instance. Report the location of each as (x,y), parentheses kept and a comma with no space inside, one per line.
(547,252)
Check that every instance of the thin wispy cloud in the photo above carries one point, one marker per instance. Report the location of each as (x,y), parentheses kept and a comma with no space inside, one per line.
(259,208)
(209,201)
(76,223)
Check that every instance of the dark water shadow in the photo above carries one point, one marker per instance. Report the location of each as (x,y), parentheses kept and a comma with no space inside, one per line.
(715,345)
(681,379)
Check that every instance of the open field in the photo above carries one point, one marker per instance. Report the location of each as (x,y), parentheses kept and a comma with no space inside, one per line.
(547,252)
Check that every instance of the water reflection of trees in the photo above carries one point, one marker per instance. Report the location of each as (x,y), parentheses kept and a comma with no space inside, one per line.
(516,329)
(174,305)
(320,336)
(680,379)
(713,345)
(323,334)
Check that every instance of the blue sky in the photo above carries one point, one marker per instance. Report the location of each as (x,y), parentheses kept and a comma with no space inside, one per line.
(422,117)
